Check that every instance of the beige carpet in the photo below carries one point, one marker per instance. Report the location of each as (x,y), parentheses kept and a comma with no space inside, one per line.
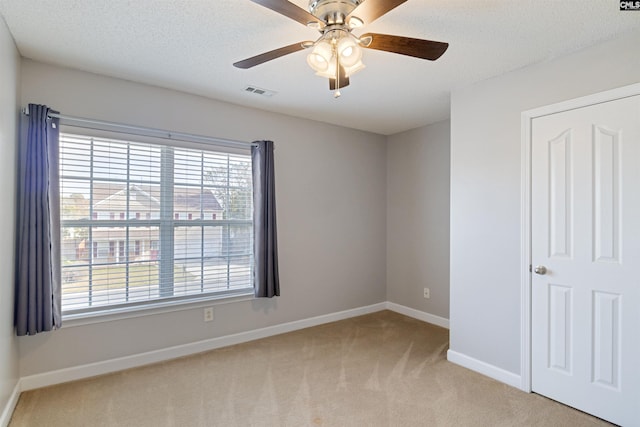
(382,369)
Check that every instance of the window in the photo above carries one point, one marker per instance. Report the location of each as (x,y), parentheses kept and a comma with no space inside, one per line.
(165,257)
(121,249)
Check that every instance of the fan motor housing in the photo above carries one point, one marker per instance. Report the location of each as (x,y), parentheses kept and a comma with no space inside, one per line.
(332,11)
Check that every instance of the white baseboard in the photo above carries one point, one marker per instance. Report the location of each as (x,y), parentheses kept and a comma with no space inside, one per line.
(45,379)
(112,365)
(92,369)
(417,314)
(5,416)
(486,369)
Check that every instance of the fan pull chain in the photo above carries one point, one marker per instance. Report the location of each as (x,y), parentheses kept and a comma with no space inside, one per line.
(337,93)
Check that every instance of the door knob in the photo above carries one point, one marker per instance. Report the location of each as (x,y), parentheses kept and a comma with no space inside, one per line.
(540,269)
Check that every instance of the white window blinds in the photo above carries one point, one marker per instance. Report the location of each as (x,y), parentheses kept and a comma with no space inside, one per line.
(146,222)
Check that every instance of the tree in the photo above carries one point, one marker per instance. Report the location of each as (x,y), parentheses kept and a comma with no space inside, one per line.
(75,206)
(232,186)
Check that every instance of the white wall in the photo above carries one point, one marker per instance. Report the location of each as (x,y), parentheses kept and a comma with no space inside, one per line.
(331,199)
(418,218)
(485,189)
(9,108)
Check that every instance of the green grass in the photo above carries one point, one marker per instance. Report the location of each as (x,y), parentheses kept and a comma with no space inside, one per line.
(114,277)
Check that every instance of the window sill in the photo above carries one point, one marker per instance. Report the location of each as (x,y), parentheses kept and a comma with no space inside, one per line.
(110,315)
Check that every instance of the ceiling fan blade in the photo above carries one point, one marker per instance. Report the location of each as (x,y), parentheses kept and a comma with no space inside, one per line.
(344,80)
(418,48)
(268,56)
(370,10)
(290,10)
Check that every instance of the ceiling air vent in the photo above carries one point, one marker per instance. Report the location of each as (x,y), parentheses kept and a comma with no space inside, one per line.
(259,91)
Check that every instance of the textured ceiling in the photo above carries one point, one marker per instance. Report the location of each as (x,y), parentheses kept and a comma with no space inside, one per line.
(190,45)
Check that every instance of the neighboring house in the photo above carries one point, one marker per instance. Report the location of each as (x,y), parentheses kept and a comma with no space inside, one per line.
(113,203)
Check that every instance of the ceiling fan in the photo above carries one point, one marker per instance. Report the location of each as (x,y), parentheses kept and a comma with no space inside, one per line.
(337,53)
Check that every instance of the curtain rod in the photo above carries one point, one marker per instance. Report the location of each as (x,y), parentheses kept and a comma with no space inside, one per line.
(141,130)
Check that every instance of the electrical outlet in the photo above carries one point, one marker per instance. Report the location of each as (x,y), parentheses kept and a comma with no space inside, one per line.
(208,314)
(427,293)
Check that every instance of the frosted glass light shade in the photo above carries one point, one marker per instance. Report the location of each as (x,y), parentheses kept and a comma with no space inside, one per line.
(320,57)
(330,72)
(349,51)
(350,71)
(323,61)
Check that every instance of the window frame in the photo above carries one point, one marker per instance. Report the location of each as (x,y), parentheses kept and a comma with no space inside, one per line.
(160,304)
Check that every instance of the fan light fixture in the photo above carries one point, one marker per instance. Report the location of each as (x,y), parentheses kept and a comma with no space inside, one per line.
(336,52)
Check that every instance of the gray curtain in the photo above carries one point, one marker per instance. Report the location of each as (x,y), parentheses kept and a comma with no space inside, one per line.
(266,281)
(38,278)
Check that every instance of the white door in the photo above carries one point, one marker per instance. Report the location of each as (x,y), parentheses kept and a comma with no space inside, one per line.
(585,231)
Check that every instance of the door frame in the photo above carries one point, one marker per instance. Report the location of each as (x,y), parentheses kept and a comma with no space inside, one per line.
(527,118)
